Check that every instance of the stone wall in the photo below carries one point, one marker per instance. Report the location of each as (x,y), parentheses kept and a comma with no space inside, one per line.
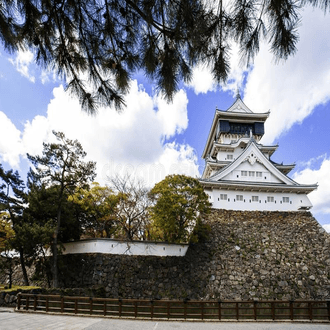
(249,255)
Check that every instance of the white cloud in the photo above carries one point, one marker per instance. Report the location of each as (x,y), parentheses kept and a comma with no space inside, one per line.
(133,140)
(320,198)
(203,82)
(48,75)
(173,115)
(292,89)
(327,227)
(10,142)
(22,63)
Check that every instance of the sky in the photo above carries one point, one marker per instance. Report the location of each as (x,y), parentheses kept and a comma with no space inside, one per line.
(152,138)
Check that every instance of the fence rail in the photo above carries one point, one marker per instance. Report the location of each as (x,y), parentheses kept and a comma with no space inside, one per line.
(177,309)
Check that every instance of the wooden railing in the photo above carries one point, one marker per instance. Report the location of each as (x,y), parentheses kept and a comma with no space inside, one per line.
(177,309)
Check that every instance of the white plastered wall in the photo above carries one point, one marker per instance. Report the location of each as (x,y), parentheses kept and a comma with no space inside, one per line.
(236,175)
(296,201)
(137,248)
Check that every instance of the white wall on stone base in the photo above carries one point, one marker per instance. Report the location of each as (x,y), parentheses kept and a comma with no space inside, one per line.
(136,248)
(296,201)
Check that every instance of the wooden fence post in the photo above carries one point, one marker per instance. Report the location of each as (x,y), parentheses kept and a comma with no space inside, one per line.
(105,308)
(27,303)
(90,305)
(35,302)
(151,308)
(255,309)
(310,310)
(19,301)
(219,309)
(185,309)
(273,310)
(291,309)
(47,305)
(120,303)
(76,305)
(237,311)
(328,305)
(62,304)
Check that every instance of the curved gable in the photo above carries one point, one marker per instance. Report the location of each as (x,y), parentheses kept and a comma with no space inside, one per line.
(256,161)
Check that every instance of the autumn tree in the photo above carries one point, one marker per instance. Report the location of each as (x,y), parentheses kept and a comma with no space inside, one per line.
(98,210)
(13,201)
(98,45)
(7,235)
(179,204)
(61,168)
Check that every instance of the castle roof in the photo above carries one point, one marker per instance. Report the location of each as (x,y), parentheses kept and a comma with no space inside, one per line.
(224,179)
(237,112)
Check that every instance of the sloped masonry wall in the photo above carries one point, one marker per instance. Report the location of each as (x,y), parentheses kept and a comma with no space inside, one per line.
(249,255)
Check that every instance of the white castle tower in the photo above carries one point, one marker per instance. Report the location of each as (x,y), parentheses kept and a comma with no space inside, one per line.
(239,173)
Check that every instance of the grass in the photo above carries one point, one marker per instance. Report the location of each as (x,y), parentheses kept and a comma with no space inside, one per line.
(4,288)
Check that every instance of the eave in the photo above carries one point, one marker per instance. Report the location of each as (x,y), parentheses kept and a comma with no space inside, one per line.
(242,116)
(214,165)
(257,187)
(234,117)
(232,146)
(268,149)
(285,169)
(252,148)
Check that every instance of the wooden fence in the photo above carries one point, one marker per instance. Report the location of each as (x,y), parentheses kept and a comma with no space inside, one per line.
(177,309)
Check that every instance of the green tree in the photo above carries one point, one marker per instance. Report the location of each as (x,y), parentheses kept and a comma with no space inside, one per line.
(13,201)
(61,167)
(41,220)
(107,41)
(179,204)
(98,205)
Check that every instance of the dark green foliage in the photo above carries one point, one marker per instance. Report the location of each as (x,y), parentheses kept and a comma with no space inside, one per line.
(57,174)
(201,232)
(179,204)
(107,41)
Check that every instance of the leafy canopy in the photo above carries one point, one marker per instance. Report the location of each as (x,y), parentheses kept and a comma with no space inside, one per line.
(98,45)
(180,202)
(6,232)
(98,207)
(60,170)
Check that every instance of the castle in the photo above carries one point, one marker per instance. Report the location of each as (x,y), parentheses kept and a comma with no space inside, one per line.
(239,173)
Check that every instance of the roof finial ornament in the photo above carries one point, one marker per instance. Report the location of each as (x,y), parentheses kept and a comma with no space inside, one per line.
(238,95)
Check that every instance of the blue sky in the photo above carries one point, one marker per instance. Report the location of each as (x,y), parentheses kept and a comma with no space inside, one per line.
(151,138)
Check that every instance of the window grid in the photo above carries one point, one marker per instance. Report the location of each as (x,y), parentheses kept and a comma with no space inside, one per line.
(239,198)
(258,174)
(270,199)
(243,173)
(251,173)
(223,196)
(286,200)
(255,198)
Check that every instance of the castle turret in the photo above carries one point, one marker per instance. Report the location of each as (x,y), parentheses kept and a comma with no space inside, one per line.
(239,173)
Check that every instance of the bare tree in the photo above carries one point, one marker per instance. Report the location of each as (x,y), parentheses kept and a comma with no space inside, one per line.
(131,213)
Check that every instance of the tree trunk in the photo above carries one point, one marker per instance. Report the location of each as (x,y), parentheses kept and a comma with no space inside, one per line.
(10,260)
(55,251)
(21,257)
